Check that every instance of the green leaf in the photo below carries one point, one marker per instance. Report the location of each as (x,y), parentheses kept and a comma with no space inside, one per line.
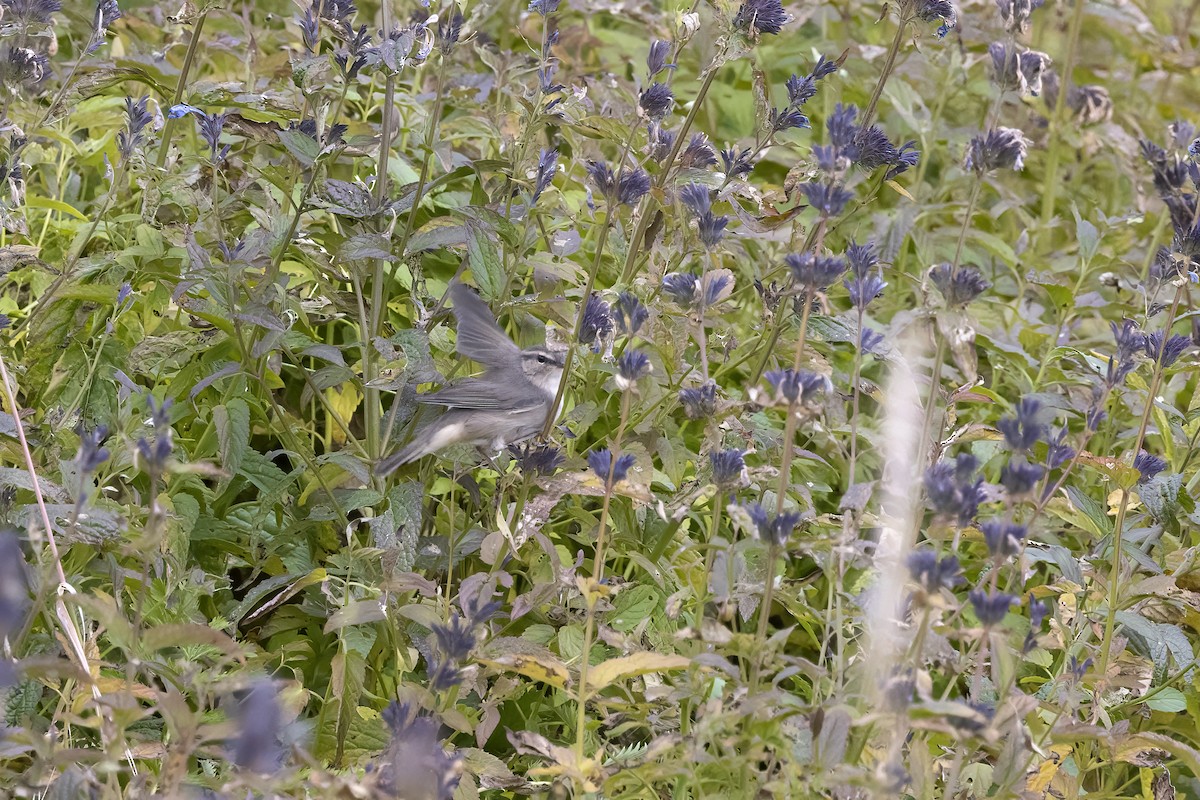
(483,254)
(232,421)
(304,147)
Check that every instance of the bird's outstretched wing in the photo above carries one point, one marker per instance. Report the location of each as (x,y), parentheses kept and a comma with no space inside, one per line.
(479,337)
(501,392)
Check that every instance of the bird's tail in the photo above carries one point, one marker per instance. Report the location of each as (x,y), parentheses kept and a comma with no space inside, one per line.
(410,452)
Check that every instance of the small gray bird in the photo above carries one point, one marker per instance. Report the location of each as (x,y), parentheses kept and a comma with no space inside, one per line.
(506,404)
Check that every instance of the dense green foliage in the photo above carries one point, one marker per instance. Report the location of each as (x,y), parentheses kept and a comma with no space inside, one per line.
(876,469)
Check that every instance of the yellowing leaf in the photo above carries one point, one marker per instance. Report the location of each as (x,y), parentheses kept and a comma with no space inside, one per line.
(543,669)
(614,669)
(898,189)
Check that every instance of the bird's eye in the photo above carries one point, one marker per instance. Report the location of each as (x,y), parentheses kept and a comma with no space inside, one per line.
(541,359)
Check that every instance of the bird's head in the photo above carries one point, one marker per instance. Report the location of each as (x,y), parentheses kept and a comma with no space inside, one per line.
(543,367)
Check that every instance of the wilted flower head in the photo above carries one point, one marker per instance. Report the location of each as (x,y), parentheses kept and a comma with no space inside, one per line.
(760,16)
(1022,71)
(999,148)
(630,314)
(610,470)
(537,458)
(933,574)
(1148,465)
(450,30)
(107,12)
(24,67)
(1023,430)
(791,387)
(1003,539)
(656,59)
(728,467)
(952,489)
(701,402)
(631,366)
(772,530)
(597,323)
(1016,13)
(656,100)
(991,608)
(259,724)
(813,272)
(958,286)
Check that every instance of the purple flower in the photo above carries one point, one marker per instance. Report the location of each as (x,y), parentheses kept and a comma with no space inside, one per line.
(92,453)
(958,286)
(815,273)
(1148,465)
(698,153)
(597,323)
(1166,352)
(544,7)
(773,530)
(656,60)
(796,387)
(682,287)
(657,100)
(760,16)
(259,717)
(801,90)
(537,459)
(841,126)
(1022,430)
(782,119)
(933,574)
(736,163)
(728,467)
(630,314)
(631,365)
(611,471)
(547,165)
(633,186)
(999,148)
(991,608)
(1019,476)
(1003,539)
(701,402)
(864,290)
(828,198)
(953,491)
(862,258)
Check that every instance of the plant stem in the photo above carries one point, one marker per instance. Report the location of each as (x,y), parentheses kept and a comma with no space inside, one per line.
(639,228)
(188,58)
(1050,180)
(1114,573)
(889,63)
